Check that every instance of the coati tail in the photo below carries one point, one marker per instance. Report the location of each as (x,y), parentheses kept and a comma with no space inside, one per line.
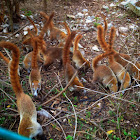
(66,27)
(99,58)
(111,38)
(47,23)
(13,66)
(4,58)
(105,23)
(35,28)
(66,50)
(101,38)
(110,44)
(77,39)
(35,53)
(47,18)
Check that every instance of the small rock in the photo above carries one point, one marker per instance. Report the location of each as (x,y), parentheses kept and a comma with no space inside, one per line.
(85,10)
(123,29)
(95,48)
(110,25)
(113,13)
(112,5)
(25,32)
(91,17)
(80,15)
(133,27)
(5,30)
(88,21)
(23,17)
(5,25)
(125,2)
(105,7)
(70,16)
(28,27)
(80,46)
(17,35)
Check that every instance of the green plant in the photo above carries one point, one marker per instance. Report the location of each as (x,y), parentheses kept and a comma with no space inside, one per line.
(111,113)
(96,24)
(69,137)
(88,114)
(2,120)
(26,13)
(132,133)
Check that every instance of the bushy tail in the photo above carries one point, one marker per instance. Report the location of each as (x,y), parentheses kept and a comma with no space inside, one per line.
(66,50)
(66,27)
(13,66)
(35,53)
(77,39)
(110,44)
(4,58)
(99,58)
(51,25)
(101,38)
(35,28)
(111,38)
(105,23)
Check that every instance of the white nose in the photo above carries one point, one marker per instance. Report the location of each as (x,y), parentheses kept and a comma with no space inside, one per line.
(35,92)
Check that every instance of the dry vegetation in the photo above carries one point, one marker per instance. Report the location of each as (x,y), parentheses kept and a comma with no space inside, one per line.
(90,116)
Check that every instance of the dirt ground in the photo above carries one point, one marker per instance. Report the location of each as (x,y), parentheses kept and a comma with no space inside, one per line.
(99,114)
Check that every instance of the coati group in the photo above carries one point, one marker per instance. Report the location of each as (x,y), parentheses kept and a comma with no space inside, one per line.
(109,75)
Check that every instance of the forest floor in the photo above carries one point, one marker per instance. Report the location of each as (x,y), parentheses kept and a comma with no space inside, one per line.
(98,114)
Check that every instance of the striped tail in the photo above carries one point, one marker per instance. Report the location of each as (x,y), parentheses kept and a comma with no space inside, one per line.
(13,66)
(66,50)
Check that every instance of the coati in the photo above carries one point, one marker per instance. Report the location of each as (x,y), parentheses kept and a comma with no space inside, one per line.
(35,76)
(104,74)
(68,68)
(133,71)
(77,56)
(41,46)
(116,67)
(28,125)
(27,60)
(55,33)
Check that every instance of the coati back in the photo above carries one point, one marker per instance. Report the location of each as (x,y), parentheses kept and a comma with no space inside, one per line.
(68,68)
(104,74)
(27,61)
(28,125)
(77,56)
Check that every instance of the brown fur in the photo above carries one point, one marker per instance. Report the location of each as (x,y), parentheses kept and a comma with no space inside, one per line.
(104,74)
(4,58)
(77,56)
(55,33)
(28,125)
(27,60)
(68,68)
(35,76)
(116,67)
